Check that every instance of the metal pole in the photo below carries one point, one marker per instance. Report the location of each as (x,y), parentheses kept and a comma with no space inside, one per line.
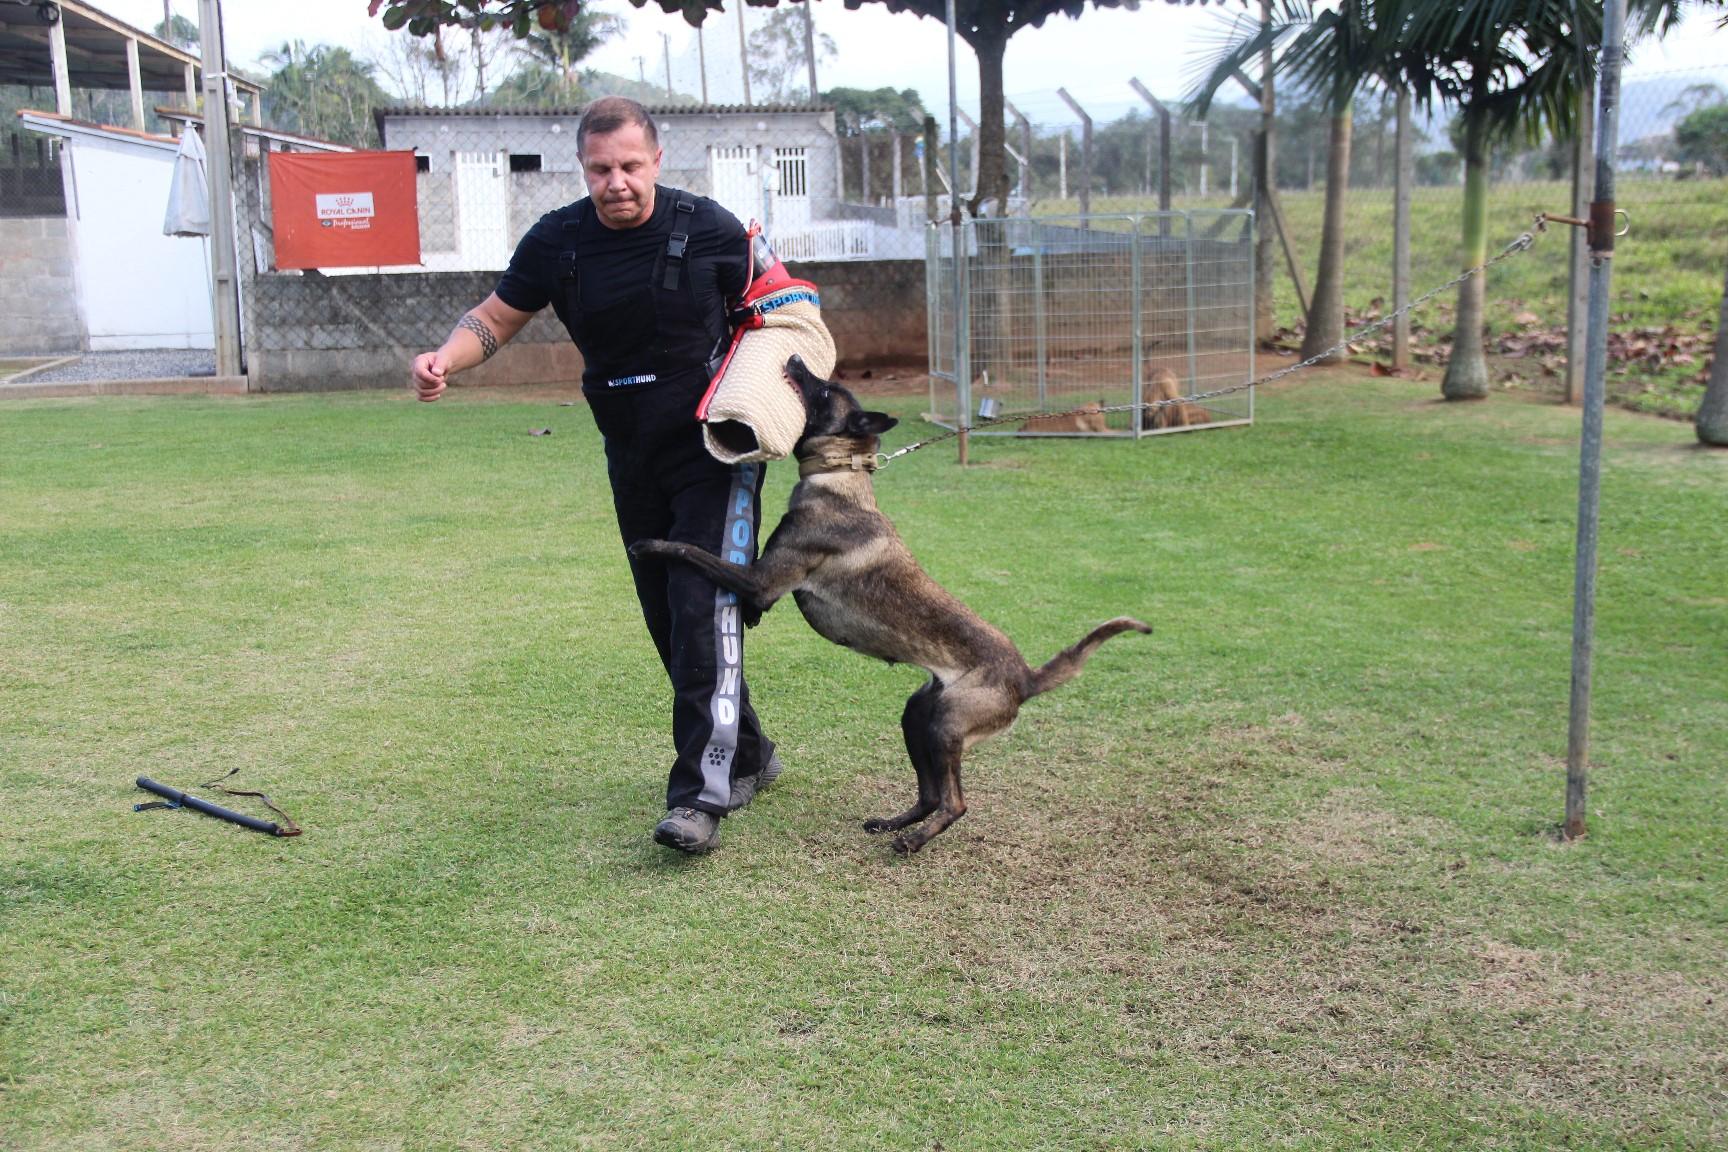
(702,61)
(666,54)
(1085,156)
(1040,320)
(222,258)
(1025,151)
(1163,151)
(1193,304)
(810,47)
(962,367)
(1137,301)
(1578,298)
(1590,451)
(1205,159)
(1401,235)
(743,55)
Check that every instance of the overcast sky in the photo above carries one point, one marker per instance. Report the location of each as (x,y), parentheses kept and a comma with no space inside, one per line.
(1093,57)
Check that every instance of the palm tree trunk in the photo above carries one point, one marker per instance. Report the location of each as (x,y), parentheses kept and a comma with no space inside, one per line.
(1266,157)
(1712,422)
(1326,310)
(1467,371)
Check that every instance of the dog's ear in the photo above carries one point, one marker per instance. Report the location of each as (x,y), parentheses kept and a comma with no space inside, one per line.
(869,423)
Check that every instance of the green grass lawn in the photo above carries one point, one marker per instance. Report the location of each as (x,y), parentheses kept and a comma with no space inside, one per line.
(1283,874)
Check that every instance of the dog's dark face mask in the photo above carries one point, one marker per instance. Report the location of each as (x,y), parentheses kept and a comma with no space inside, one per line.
(831,411)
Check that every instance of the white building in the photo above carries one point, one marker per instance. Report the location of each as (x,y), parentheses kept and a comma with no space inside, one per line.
(488,173)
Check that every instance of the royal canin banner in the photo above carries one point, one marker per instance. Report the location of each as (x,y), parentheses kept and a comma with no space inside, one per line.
(344,209)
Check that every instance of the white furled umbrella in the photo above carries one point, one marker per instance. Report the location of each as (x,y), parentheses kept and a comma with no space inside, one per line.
(188,190)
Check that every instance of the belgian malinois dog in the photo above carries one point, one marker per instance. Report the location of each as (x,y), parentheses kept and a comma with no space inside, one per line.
(858,586)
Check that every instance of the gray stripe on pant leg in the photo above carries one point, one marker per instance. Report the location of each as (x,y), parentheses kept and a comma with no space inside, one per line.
(724,706)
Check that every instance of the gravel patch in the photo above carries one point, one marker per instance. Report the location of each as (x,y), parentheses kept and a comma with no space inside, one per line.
(148,365)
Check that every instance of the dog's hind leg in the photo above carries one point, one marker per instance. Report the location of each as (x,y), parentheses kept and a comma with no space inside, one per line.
(950,801)
(915,723)
(959,719)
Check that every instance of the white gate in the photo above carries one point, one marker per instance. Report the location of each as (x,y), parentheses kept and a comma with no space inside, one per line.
(482,211)
(736,183)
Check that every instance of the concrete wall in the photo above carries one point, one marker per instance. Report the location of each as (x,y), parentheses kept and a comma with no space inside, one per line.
(38,288)
(315,333)
(874,308)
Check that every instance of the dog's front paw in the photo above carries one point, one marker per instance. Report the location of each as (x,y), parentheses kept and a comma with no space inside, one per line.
(644,549)
(875,825)
(906,845)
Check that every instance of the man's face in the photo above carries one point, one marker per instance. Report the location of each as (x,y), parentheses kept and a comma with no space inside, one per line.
(621,169)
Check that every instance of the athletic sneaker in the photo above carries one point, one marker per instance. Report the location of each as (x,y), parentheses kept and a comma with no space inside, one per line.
(744,788)
(689,830)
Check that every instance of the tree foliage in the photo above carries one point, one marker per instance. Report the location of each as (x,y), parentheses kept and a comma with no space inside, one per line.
(779,71)
(860,110)
(1702,138)
(178,31)
(325,92)
(985,25)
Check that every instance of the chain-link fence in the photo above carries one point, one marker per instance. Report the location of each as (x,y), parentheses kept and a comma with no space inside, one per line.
(1673,180)
(1093,313)
(30,179)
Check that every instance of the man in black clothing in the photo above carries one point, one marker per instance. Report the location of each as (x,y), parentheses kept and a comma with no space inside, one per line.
(640,275)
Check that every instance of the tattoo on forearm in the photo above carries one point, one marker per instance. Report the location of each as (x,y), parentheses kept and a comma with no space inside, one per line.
(488,341)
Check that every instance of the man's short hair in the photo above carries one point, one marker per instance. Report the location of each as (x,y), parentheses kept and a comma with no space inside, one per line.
(610,113)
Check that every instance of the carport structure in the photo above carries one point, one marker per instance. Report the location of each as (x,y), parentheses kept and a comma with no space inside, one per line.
(87,48)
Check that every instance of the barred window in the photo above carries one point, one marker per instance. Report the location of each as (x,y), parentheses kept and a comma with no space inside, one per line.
(794,171)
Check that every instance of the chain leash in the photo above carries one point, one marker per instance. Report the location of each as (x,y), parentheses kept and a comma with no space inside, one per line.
(1523,242)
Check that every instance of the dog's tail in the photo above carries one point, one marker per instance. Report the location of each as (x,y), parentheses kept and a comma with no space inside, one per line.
(1066,664)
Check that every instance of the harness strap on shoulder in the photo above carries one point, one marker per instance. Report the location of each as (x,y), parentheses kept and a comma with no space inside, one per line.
(567,258)
(676,245)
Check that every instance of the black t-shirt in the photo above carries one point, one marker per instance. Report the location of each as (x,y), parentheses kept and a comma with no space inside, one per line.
(616,263)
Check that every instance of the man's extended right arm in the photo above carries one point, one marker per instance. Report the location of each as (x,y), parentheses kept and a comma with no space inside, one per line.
(479,334)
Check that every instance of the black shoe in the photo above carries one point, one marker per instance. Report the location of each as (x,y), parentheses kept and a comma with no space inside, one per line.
(744,788)
(689,830)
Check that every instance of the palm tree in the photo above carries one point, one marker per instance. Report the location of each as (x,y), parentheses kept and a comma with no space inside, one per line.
(1712,419)
(561,49)
(324,91)
(1510,67)
(1330,53)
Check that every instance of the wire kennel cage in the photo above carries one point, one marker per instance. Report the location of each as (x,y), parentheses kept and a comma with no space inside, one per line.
(1066,313)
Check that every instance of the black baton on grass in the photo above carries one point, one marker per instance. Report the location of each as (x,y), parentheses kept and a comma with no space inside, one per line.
(178,799)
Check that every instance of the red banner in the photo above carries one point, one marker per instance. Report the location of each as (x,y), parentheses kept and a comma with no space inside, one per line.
(344,209)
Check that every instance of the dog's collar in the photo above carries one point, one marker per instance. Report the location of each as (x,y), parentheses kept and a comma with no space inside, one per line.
(850,462)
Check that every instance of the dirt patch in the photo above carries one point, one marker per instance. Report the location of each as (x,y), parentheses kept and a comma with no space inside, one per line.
(1285,941)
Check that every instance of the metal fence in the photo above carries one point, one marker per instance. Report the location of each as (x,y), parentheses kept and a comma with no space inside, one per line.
(1677,195)
(1059,314)
(31,183)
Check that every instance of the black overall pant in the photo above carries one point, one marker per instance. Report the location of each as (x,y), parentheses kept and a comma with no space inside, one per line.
(647,342)
(666,486)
